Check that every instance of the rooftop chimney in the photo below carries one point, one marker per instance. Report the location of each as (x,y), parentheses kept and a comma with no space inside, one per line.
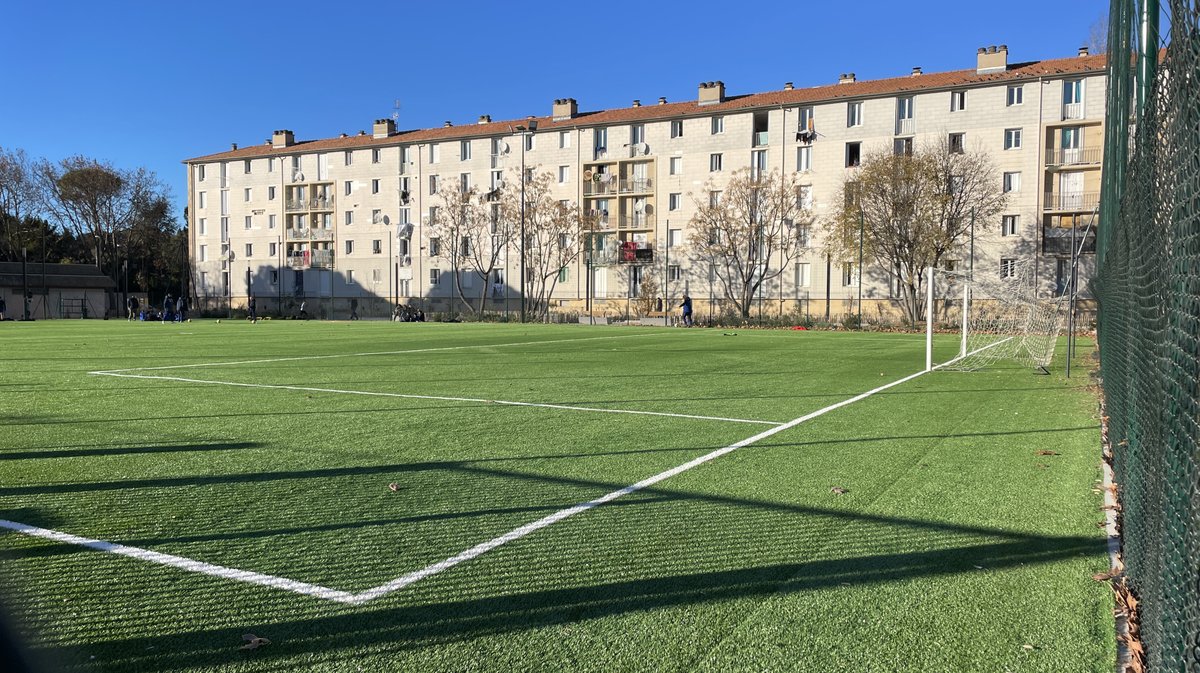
(846,78)
(1083,51)
(362,133)
(447,123)
(916,71)
(787,86)
(282,139)
(662,100)
(712,93)
(991,59)
(383,128)
(485,119)
(234,145)
(564,108)
(637,103)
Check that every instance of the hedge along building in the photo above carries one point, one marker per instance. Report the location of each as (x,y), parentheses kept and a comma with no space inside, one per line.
(348,218)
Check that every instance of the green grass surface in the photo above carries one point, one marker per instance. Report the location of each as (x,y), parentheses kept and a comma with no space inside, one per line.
(957,548)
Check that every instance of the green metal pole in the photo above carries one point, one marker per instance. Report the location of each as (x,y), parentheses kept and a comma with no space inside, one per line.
(1147,54)
(860,265)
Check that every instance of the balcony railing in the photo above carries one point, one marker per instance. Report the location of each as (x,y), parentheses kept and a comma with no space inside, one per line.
(593,188)
(642,221)
(1072,111)
(321,233)
(632,252)
(635,185)
(906,127)
(760,138)
(1071,201)
(297,234)
(1057,240)
(299,260)
(1073,156)
(497,161)
(315,203)
(322,259)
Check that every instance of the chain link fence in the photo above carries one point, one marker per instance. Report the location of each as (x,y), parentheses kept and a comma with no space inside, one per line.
(1148,287)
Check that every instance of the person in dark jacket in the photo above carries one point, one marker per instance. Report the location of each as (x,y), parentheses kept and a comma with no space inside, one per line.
(687,310)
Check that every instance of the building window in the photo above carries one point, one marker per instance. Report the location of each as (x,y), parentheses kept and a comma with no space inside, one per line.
(435,276)
(802,235)
(847,274)
(204,253)
(375,186)
(958,101)
(804,197)
(714,198)
(200,173)
(350,276)
(563,275)
(435,246)
(854,114)
(676,165)
(272,249)
(349,247)
(433,184)
(348,157)
(377,246)
(249,250)
(718,125)
(714,163)
(375,154)
(803,274)
(270,193)
(464,150)
(564,174)
(1012,139)
(564,140)
(806,123)
(271,164)
(676,128)
(274,276)
(904,108)
(1009,224)
(1008,267)
(902,147)
(376,216)
(202,199)
(804,158)
(433,153)
(202,226)
(246,166)
(249,222)
(673,201)
(956,143)
(1016,95)
(348,187)
(853,154)
(674,273)
(1012,182)
(528,141)
(349,217)
(271,221)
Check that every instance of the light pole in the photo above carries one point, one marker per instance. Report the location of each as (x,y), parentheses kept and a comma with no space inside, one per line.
(860,264)
(524,131)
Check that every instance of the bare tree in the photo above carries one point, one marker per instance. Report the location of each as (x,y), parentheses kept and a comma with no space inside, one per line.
(748,231)
(18,201)
(472,236)
(913,210)
(1097,41)
(553,236)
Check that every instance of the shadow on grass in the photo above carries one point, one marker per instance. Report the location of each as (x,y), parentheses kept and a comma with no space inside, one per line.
(75,452)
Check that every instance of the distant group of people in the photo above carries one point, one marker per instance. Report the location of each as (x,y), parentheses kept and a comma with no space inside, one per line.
(174,309)
(405,313)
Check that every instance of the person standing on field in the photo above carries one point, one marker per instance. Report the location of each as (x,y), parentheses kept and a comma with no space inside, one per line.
(253,311)
(167,305)
(687,310)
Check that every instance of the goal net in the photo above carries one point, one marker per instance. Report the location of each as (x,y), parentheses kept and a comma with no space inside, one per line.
(996,319)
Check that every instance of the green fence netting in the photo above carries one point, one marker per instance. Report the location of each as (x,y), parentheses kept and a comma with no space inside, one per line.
(1148,287)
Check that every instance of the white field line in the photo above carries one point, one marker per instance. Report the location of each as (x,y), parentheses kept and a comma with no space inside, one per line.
(469,554)
(184,563)
(444,398)
(357,355)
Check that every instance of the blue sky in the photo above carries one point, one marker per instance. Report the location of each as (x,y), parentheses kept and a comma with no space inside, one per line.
(152,83)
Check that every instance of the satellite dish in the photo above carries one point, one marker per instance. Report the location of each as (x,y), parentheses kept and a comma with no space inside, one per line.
(643,148)
(587,175)
(386,220)
(503,147)
(298,177)
(639,206)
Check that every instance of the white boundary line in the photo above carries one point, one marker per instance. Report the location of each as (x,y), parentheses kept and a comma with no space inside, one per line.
(437,397)
(357,355)
(435,568)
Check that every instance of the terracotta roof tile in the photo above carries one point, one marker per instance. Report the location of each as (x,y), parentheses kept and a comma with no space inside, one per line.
(863,89)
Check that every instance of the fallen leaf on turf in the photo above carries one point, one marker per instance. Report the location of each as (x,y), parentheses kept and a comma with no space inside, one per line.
(393,487)
(1027,647)
(1104,577)
(253,642)
(1046,453)
(839,490)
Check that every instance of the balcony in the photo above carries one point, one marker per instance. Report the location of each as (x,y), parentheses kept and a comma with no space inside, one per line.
(760,139)
(1072,111)
(632,252)
(637,185)
(497,160)
(906,127)
(297,234)
(322,259)
(1074,156)
(641,221)
(1076,201)
(321,233)
(1057,240)
(594,188)
(315,203)
(299,260)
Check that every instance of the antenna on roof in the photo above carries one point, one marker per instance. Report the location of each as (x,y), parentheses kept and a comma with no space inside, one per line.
(396,110)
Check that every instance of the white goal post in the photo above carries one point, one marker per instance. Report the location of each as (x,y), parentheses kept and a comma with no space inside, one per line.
(995,319)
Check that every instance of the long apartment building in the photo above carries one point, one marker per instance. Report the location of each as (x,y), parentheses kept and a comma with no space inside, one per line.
(332,220)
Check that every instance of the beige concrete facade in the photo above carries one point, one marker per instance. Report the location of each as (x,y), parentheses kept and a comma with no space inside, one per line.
(346,218)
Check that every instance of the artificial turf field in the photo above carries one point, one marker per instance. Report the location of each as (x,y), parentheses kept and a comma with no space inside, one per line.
(335,465)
